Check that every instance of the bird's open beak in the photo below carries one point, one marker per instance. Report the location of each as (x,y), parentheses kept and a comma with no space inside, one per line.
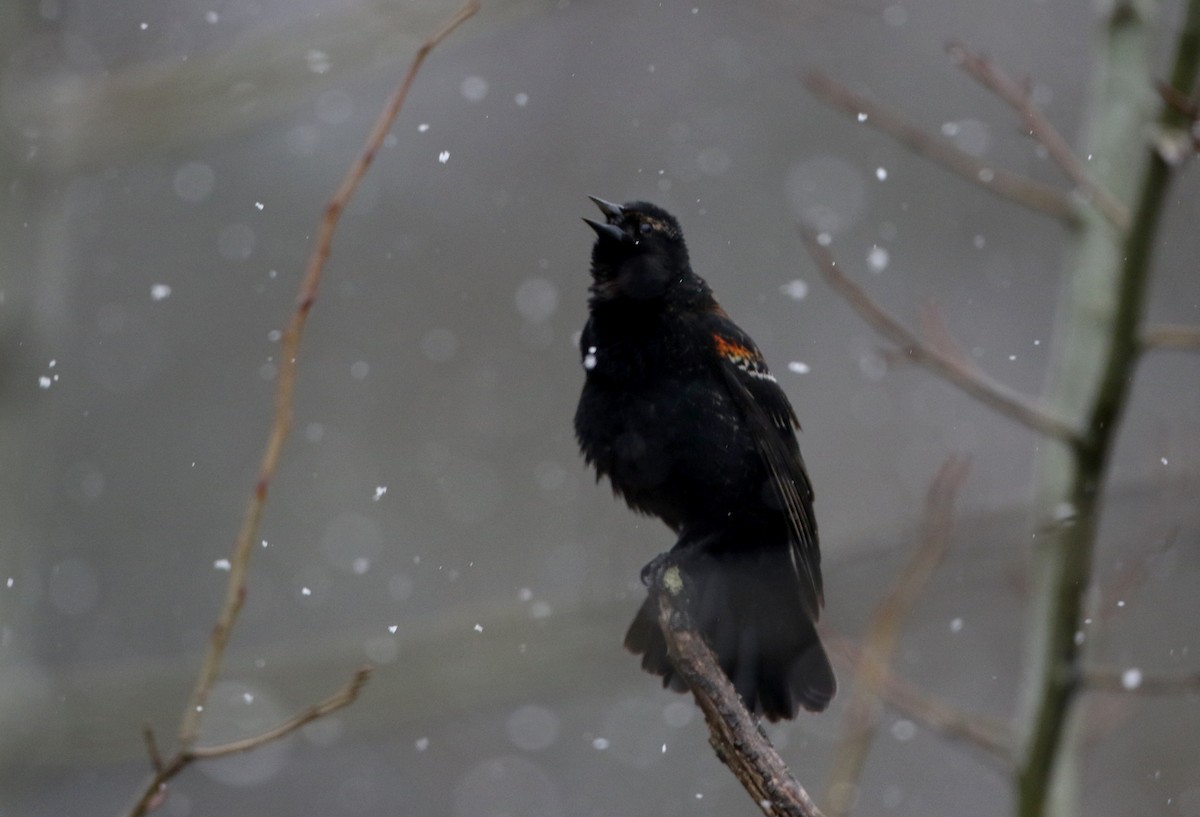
(612,212)
(607,232)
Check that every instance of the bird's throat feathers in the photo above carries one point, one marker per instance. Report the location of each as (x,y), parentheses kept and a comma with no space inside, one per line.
(645,283)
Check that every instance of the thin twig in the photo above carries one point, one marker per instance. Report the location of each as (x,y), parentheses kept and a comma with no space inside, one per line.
(1018,97)
(152,748)
(992,735)
(343,697)
(936,335)
(1022,190)
(155,791)
(1165,336)
(235,593)
(1131,574)
(988,734)
(734,733)
(861,719)
(1133,681)
(968,378)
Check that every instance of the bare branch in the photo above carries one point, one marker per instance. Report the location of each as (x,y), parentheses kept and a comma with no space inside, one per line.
(990,735)
(988,391)
(1166,336)
(734,733)
(152,748)
(1017,95)
(937,336)
(1133,681)
(343,697)
(1104,300)
(861,719)
(155,790)
(235,592)
(1011,186)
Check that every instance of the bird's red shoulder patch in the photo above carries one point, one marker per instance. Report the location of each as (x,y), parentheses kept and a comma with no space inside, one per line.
(732,349)
(744,357)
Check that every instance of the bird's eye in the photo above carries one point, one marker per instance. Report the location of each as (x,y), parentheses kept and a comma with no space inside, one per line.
(645,228)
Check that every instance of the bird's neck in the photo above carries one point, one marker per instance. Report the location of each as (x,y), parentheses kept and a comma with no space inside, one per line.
(635,318)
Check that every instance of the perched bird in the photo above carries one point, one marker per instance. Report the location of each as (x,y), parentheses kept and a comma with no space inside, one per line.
(681,414)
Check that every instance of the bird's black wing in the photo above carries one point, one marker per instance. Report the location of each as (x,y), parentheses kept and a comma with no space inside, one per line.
(773,424)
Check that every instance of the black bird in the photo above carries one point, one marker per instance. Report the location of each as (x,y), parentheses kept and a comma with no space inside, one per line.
(681,414)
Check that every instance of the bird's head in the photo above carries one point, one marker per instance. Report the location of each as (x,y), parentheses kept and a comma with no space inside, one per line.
(639,254)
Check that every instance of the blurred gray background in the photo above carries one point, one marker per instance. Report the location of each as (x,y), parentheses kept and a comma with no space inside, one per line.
(164,165)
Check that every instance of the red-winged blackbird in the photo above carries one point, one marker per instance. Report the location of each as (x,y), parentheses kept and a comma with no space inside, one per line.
(680,412)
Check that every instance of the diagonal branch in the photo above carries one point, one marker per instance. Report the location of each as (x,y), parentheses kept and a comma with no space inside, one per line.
(883,633)
(966,377)
(152,748)
(734,733)
(988,734)
(936,335)
(343,697)
(235,592)
(1022,190)
(155,791)
(1017,95)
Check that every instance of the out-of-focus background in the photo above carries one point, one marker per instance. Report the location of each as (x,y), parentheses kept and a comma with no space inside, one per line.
(164,165)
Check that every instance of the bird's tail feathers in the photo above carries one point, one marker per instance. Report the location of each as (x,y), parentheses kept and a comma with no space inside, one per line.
(747,605)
